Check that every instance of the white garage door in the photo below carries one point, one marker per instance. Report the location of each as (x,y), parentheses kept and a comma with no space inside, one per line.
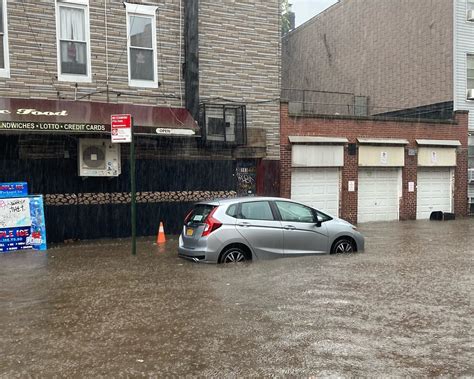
(316,187)
(433,191)
(378,194)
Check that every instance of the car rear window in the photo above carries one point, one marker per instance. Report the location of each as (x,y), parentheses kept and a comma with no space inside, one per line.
(200,213)
(232,210)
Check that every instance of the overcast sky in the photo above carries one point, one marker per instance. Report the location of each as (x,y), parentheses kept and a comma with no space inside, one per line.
(305,9)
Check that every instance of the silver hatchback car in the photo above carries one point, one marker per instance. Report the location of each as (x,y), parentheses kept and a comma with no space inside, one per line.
(236,230)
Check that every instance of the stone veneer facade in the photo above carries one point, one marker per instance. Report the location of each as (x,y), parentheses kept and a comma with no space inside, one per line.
(239,57)
(239,54)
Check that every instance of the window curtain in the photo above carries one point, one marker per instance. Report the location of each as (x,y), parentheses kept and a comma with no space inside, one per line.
(72,24)
(73,38)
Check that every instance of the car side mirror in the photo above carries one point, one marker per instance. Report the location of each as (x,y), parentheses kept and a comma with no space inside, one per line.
(318,223)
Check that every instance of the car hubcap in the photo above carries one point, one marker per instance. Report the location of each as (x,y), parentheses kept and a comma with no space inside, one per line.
(344,247)
(234,257)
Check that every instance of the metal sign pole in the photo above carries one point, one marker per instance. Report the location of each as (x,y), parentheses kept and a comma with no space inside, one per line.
(133,192)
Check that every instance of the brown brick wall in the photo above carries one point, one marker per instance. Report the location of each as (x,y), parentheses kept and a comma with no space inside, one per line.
(460,182)
(349,199)
(370,128)
(408,200)
(397,52)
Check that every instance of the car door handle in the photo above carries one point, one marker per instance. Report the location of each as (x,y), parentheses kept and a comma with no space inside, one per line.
(290,227)
(244,224)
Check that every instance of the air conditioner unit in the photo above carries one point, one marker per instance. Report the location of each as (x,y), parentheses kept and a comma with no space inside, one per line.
(470,15)
(98,157)
(470,175)
(470,94)
(220,128)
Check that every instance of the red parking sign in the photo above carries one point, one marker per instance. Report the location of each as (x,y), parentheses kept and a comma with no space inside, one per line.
(121,128)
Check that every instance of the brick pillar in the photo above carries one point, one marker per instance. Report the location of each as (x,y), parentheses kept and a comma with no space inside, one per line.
(460,183)
(461,207)
(350,171)
(408,200)
(285,153)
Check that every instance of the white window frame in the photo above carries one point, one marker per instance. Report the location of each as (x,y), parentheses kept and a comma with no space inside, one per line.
(79,4)
(150,12)
(469,6)
(5,72)
(468,57)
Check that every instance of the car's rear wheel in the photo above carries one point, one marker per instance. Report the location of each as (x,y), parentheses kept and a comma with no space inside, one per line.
(343,246)
(234,255)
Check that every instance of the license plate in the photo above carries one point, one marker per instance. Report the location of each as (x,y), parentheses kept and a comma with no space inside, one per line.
(189,232)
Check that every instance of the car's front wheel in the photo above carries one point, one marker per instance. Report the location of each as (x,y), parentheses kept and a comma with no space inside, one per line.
(343,246)
(233,255)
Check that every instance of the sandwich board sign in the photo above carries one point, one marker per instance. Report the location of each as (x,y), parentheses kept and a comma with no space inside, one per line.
(22,221)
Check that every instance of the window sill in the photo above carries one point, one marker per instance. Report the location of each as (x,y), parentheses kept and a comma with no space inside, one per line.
(74,79)
(142,84)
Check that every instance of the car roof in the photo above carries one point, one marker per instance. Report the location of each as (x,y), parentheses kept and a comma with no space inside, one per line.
(242,199)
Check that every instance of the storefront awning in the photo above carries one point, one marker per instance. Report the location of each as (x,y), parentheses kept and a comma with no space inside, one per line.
(316,140)
(85,117)
(382,141)
(438,142)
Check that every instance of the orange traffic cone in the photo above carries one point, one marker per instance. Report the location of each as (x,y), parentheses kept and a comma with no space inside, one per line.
(161,238)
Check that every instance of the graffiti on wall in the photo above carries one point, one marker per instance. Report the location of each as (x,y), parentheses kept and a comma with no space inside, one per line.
(246,174)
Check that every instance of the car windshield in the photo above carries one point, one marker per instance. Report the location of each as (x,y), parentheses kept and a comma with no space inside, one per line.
(200,213)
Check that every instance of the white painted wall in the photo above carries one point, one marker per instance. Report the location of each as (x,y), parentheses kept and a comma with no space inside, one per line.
(463,45)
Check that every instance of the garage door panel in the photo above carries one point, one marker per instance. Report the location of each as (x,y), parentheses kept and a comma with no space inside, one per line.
(433,191)
(317,187)
(378,194)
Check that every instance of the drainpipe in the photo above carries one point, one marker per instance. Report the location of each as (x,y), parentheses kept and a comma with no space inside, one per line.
(191,57)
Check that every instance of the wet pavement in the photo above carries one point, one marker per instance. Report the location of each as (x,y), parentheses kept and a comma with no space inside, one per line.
(401,308)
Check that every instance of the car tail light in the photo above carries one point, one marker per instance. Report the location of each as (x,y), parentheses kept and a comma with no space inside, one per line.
(211,224)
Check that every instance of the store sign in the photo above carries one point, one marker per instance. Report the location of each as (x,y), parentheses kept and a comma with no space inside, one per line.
(121,128)
(13,189)
(22,224)
(175,132)
(52,127)
(34,112)
(85,117)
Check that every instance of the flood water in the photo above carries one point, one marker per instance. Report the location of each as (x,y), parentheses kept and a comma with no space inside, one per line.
(402,307)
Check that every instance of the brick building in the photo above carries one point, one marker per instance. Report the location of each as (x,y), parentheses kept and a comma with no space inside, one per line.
(201,79)
(373,168)
(408,59)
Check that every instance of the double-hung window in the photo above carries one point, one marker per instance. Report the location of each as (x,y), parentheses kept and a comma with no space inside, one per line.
(4,60)
(470,76)
(470,10)
(141,45)
(73,40)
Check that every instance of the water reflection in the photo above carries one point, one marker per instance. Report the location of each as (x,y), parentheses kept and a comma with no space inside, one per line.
(400,308)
